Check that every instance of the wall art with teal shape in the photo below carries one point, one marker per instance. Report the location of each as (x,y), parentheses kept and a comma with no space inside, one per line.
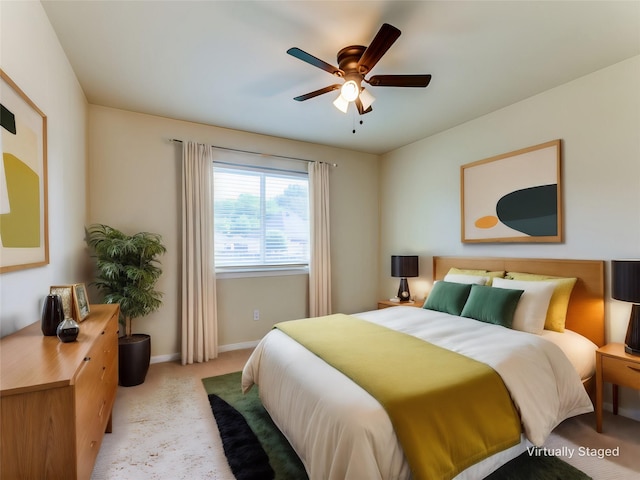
(24,241)
(513,197)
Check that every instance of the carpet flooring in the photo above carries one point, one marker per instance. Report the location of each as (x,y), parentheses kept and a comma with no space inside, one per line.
(224,391)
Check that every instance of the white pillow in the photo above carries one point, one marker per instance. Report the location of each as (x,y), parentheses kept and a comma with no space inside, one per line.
(531,311)
(468,279)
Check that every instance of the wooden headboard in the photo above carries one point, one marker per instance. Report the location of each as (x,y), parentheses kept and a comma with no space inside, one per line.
(586,306)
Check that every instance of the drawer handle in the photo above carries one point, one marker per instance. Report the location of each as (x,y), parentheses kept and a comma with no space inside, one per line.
(86,359)
(634,368)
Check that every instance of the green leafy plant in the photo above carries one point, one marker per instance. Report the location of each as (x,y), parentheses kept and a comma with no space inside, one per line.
(127,270)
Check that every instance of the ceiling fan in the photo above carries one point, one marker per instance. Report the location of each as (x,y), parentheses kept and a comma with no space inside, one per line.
(354,63)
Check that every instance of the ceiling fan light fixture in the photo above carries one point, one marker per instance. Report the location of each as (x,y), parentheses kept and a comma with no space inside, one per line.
(349,90)
(366,98)
(341,104)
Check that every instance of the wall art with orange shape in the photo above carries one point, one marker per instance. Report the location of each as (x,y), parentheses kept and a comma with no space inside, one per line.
(514,197)
(23,180)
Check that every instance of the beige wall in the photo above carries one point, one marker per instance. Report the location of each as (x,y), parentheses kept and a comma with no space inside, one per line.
(134,185)
(35,61)
(598,119)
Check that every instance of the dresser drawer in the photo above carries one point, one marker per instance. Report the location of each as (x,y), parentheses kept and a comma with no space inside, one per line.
(621,372)
(89,393)
(96,387)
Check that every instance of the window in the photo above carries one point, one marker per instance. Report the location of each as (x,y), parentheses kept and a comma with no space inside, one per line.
(261,218)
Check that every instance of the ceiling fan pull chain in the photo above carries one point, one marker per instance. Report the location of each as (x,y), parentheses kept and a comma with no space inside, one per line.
(354,122)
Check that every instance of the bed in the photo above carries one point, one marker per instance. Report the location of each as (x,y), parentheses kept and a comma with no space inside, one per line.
(340,431)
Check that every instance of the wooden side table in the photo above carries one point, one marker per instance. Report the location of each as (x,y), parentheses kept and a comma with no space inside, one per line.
(390,303)
(617,367)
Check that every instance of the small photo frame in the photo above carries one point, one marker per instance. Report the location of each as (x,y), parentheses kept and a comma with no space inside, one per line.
(66,293)
(75,302)
(80,301)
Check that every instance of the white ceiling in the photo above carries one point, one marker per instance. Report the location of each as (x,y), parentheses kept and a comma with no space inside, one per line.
(224,63)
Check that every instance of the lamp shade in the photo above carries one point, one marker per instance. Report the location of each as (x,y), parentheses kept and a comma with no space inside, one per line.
(625,281)
(341,104)
(625,286)
(366,98)
(404,266)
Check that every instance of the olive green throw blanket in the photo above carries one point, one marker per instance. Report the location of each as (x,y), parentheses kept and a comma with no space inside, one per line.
(448,411)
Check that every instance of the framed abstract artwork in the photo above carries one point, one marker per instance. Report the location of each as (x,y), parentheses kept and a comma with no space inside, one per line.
(514,197)
(24,238)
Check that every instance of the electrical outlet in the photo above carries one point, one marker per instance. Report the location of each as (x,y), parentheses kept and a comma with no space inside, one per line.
(256,314)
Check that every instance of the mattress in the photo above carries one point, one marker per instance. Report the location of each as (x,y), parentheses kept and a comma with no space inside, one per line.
(580,351)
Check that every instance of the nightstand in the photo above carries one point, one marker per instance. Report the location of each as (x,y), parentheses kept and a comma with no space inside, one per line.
(617,367)
(390,303)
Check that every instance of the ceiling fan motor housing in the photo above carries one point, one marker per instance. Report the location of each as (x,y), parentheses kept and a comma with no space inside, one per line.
(349,57)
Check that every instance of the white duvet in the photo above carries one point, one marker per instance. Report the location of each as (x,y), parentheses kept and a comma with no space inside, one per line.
(341,432)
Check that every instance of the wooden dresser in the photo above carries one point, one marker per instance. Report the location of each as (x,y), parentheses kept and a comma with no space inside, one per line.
(57,398)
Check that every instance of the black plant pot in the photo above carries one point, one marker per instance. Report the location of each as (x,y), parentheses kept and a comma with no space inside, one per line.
(134,355)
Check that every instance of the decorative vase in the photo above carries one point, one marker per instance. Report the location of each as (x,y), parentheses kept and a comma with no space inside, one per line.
(68,330)
(52,314)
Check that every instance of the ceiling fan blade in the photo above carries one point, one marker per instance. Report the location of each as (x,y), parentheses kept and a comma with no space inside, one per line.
(316,62)
(360,107)
(383,40)
(399,80)
(315,93)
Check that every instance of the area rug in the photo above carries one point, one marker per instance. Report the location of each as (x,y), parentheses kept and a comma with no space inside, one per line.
(247,460)
(284,462)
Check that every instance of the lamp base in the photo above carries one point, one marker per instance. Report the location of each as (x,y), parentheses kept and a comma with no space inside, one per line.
(403,290)
(632,340)
(631,351)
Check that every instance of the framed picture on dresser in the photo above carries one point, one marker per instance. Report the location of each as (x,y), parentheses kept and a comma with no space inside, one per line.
(80,301)
(66,293)
(75,301)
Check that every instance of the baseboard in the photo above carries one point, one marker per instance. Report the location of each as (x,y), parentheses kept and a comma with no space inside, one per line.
(172,357)
(624,412)
(238,346)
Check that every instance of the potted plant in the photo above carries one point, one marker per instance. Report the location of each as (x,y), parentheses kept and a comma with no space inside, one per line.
(127,272)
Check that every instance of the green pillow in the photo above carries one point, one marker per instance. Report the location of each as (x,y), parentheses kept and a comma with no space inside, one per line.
(448,297)
(492,304)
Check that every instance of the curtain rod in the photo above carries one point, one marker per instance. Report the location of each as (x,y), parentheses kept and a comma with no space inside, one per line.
(261,154)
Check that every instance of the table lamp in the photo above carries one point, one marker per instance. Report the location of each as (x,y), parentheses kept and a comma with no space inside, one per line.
(404,266)
(625,286)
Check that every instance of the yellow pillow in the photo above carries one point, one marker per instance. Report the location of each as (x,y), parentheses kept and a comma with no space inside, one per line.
(492,275)
(480,273)
(557,311)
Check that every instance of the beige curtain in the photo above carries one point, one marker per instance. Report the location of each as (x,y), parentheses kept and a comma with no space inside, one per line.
(320,255)
(199,322)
